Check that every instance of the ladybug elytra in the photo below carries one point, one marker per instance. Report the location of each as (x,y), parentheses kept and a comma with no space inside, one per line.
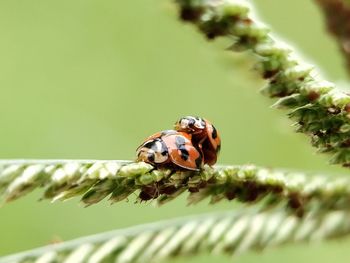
(204,134)
(193,143)
(170,148)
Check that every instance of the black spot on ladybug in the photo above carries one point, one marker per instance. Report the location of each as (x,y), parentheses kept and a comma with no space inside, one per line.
(149,144)
(180,145)
(198,162)
(164,149)
(150,157)
(214,134)
(184,154)
(191,121)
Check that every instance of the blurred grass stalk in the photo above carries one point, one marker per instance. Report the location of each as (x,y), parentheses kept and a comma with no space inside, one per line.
(293,207)
(337,19)
(319,109)
(222,233)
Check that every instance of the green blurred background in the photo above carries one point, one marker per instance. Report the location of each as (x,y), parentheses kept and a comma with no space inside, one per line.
(90,79)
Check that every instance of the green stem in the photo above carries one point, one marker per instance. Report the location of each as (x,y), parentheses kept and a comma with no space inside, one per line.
(221,233)
(319,109)
(94,180)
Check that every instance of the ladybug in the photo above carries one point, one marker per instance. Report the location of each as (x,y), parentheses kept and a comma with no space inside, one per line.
(204,135)
(170,148)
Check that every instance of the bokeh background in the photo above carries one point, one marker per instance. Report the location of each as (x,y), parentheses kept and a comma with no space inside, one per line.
(90,79)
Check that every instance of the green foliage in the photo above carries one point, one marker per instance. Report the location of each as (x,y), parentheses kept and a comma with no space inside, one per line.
(95,180)
(319,109)
(94,187)
(223,233)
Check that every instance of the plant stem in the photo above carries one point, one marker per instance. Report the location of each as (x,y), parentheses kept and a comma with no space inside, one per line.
(221,233)
(94,180)
(318,108)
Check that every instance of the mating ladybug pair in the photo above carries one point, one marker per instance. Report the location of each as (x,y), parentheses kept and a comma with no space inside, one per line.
(193,143)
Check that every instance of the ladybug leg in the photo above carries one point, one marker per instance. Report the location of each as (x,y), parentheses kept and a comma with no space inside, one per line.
(169,189)
(200,149)
(153,169)
(149,192)
(201,141)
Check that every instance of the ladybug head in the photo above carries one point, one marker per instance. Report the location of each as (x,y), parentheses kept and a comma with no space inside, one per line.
(190,124)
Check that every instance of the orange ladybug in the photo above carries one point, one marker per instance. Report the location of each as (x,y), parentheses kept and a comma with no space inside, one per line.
(170,149)
(204,135)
